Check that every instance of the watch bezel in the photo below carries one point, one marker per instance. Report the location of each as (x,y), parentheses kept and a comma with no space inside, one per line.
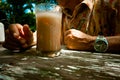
(102,39)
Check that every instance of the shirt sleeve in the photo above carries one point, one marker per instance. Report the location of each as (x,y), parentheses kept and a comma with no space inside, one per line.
(117,8)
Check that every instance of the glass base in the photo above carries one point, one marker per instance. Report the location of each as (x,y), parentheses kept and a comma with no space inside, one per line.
(48,53)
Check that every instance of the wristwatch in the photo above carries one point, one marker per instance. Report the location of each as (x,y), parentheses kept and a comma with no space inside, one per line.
(101,44)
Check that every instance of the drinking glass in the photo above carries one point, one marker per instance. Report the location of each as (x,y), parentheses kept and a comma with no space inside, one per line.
(49,26)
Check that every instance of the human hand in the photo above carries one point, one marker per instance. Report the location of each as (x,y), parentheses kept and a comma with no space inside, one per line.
(77,40)
(18,37)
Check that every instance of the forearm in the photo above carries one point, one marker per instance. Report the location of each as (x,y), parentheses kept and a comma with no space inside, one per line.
(113,43)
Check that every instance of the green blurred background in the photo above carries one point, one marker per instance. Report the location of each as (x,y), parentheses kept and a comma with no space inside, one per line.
(20,11)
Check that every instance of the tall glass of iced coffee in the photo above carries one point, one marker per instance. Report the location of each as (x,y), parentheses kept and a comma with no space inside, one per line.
(48,23)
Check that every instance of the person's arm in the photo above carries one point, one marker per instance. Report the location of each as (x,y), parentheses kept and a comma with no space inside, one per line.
(78,40)
(113,43)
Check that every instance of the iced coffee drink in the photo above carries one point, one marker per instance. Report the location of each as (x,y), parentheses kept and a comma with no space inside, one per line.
(48,31)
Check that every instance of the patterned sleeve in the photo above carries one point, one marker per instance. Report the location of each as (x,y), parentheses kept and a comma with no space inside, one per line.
(106,17)
(117,8)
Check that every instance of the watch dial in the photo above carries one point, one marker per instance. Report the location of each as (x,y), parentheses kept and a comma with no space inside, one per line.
(100,46)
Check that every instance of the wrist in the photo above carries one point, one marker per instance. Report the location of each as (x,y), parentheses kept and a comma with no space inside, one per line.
(101,44)
(92,41)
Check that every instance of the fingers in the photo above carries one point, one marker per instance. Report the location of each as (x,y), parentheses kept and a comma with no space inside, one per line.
(18,37)
(15,29)
(68,38)
(27,31)
(71,35)
(28,34)
(13,40)
(23,42)
(13,44)
(67,32)
(18,34)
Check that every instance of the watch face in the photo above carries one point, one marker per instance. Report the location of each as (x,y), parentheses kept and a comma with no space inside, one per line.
(100,46)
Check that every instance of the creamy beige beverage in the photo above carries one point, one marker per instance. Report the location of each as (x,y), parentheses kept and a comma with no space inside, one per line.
(48,31)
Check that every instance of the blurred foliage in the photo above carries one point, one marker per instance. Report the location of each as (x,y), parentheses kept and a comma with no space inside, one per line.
(16,11)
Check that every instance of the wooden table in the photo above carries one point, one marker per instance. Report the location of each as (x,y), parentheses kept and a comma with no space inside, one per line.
(70,65)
